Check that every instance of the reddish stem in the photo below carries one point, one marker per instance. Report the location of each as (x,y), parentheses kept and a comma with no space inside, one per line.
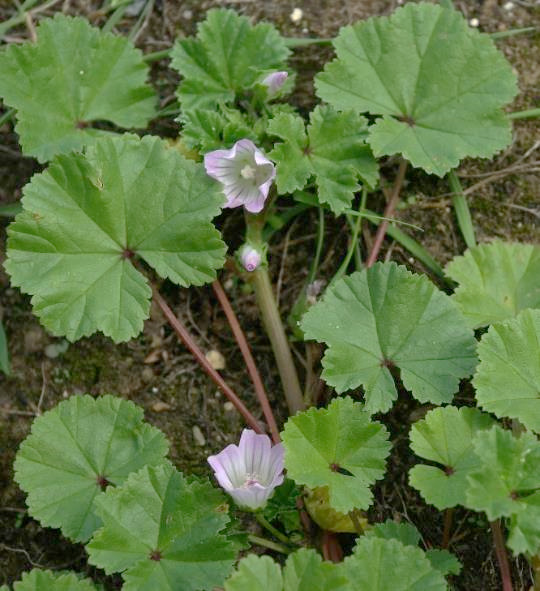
(448,514)
(388,213)
(248,358)
(331,547)
(188,341)
(502,557)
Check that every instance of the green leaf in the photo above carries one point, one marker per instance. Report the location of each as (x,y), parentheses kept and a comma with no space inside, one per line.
(74,75)
(303,571)
(507,379)
(46,580)
(163,532)
(496,281)
(333,151)
(76,449)
(445,436)
(406,533)
(388,565)
(506,484)
(4,352)
(443,561)
(85,218)
(387,317)
(306,571)
(213,129)
(227,58)
(255,573)
(338,447)
(438,85)
(282,506)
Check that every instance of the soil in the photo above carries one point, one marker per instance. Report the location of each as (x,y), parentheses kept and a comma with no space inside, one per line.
(157,373)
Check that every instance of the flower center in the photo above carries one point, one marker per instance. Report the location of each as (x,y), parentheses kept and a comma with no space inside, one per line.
(248,172)
(251,480)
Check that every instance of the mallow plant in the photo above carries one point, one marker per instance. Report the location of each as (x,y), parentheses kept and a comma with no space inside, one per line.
(117,211)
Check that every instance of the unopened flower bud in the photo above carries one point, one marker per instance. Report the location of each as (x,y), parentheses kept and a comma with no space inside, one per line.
(250,258)
(274,82)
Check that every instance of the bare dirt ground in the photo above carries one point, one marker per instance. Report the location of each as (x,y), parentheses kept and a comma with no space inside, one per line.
(157,373)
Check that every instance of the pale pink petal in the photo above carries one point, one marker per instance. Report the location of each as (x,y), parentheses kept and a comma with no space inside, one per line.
(250,471)
(245,173)
(275,81)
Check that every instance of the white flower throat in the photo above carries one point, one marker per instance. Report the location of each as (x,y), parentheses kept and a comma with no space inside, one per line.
(248,172)
(251,480)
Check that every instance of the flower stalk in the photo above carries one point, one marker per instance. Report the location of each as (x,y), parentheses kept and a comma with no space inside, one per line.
(188,341)
(270,528)
(248,358)
(278,339)
(388,213)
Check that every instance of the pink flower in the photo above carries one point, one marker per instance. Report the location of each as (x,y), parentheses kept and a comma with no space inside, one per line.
(250,471)
(245,173)
(250,257)
(274,82)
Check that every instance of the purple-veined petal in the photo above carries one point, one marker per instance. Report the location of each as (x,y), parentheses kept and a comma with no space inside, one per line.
(245,173)
(275,81)
(250,471)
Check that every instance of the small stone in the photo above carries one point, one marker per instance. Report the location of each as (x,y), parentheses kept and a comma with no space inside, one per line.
(198,436)
(474,22)
(228,407)
(215,359)
(508,6)
(155,390)
(34,340)
(147,374)
(54,350)
(160,406)
(152,357)
(296,15)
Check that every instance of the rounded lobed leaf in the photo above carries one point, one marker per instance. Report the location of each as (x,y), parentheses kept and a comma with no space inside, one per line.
(333,152)
(306,571)
(507,380)
(445,436)
(85,219)
(386,317)
(255,573)
(388,565)
(496,281)
(506,484)
(163,532)
(408,535)
(212,74)
(75,451)
(338,447)
(73,75)
(438,85)
(46,580)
